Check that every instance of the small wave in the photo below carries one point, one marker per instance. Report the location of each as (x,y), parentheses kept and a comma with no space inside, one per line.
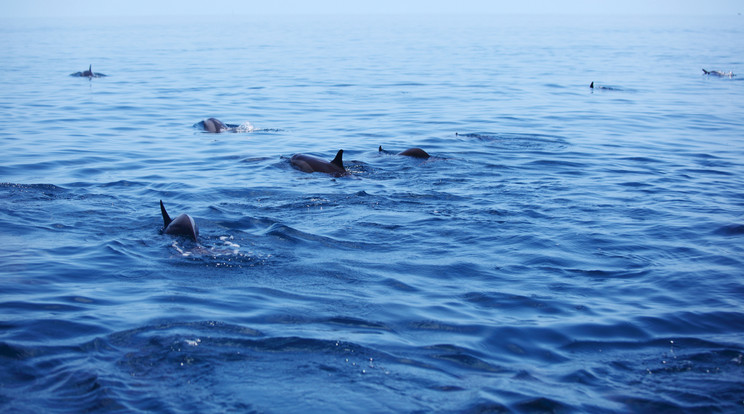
(516,303)
(33,191)
(222,251)
(245,127)
(268,130)
(707,171)
(297,237)
(519,142)
(123,184)
(48,187)
(463,358)
(359,323)
(730,230)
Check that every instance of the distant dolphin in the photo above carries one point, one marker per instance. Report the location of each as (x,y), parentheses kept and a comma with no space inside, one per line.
(183,225)
(88,73)
(309,164)
(592,86)
(719,73)
(410,152)
(216,126)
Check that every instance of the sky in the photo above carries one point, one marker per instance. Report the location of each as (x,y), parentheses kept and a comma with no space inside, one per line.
(92,8)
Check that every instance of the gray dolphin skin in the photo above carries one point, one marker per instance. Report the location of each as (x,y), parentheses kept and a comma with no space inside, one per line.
(183,225)
(410,152)
(214,125)
(415,153)
(310,164)
(719,73)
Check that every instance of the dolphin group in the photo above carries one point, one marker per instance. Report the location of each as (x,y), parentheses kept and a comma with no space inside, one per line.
(310,164)
(183,225)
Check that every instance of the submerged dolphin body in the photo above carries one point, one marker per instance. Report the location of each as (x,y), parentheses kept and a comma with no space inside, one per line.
(410,152)
(183,225)
(88,73)
(309,164)
(719,73)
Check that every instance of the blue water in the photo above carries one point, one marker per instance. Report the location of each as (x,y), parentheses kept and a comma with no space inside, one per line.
(564,250)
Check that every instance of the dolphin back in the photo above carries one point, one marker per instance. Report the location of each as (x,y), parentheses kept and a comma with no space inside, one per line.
(214,125)
(309,164)
(182,225)
(415,153)
(88,73)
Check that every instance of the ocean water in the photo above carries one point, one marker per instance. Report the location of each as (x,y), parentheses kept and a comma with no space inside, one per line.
(564,249)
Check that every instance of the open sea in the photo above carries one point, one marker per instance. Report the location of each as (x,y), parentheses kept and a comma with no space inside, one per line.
(565,249)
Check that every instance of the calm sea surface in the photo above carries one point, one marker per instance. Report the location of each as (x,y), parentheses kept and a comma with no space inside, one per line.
(564,250)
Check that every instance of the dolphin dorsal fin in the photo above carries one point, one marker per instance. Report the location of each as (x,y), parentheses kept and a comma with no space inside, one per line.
(166,218)
(591,85)
(337,161)
(379,149)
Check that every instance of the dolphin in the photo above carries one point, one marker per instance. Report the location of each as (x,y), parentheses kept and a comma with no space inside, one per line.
(88,73)
(183,225)
(309,164)
(214,125)
(592,86)
(410,152)
(719,73)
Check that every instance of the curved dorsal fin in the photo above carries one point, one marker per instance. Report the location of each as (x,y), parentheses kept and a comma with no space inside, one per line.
(166,218)
(337,161)
(591,85)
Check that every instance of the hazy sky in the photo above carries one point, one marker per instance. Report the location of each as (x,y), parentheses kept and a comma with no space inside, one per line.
(56,8)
